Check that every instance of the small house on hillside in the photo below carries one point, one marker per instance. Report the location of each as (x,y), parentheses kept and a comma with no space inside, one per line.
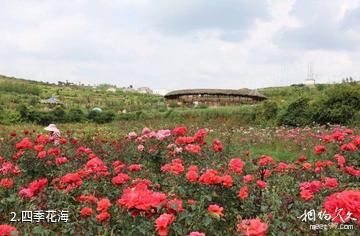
(213,97)
(310,82)
(52,101)
(113,90)
(145,90)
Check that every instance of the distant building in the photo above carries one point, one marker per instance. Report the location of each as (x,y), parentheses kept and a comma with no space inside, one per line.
(310,82)
(213,97)
(52,101)
(97,109)
(145,90)
(113,90)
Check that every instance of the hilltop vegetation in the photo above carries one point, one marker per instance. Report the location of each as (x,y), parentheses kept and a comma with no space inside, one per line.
(296,105)
(20,101)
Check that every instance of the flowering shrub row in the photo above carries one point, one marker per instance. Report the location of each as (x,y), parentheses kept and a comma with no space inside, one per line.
(179,182)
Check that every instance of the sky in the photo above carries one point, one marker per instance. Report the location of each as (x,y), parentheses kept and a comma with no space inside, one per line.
(177,44)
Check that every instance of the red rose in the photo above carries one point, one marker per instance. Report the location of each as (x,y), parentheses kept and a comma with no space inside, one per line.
(103,204)
(215,210)
(6,230)
(86,211)
(261,184)
(103,216)
(253,227)
(163,222)
(236,165)
(243,193)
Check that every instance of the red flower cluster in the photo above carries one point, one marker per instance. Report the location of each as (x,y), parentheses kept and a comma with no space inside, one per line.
(343,206)
(6,182)
(210,177)
(120,179)
(217,146)
(87,199)
(319,149)
(247,178)
(227,181)
(352,171)
(134,167)
(7,230)
(176,167)
(340,160)
(193,148)
(192,175)
(215,211)
(179,131)
(236,165)
(102,206)
(24,144)
(184,140)
(8,167)
(34,188)
(68,182)
(196,234)
(54,152)
(253,227)
(266,160)
(96,167)
(348,147)
(86,211)
(174,205)
(141,198)
(163,222)
(61,160)
(307,189)
(243,193)
(118,166)
(261,184)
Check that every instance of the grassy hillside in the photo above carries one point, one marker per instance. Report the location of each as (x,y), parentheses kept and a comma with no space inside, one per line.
(20,102)
(14,92)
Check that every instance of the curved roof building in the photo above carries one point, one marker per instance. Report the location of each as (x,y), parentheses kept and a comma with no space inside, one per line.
(214,97)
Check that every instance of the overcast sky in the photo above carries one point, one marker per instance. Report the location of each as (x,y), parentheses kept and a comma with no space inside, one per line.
(174,44)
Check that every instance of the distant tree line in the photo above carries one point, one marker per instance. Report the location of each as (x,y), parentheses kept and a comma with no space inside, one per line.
(19,88)
(339,104)
(61,115)
(295,105)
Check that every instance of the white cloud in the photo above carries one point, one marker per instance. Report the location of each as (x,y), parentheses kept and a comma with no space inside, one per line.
(185,44)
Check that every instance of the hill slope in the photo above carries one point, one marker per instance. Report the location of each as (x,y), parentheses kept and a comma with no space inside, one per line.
(21,101)
(15,92)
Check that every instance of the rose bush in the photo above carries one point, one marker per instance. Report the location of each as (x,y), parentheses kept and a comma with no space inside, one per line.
(181,181)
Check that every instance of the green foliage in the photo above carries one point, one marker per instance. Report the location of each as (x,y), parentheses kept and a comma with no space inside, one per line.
(339,105)
(14,117)
(76,115)
(297,114)
(1,114)
(268,110)
(101,117)
(22,88)
(293,105)
(59,115)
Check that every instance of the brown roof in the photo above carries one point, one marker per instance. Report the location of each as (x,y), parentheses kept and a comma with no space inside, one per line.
(232,92)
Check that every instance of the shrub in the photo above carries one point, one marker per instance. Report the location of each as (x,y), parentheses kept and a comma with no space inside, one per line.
(76,115)
(59,115)
(269,110)
(44,118)
(101,117)
(298,113)
(339,105)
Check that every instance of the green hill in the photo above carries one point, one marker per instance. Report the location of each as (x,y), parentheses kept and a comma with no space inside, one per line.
(18,91)
(25,101)
(15,94)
